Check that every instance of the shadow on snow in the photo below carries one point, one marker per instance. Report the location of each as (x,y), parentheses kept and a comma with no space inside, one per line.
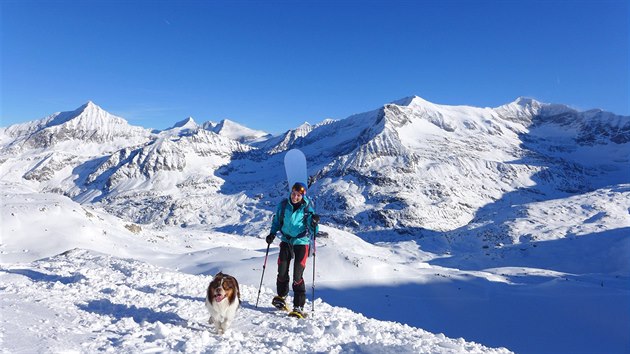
(105,307)
(39,277)
(556,316)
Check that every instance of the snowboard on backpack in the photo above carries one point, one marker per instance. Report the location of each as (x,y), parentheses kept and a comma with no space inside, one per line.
(295,167)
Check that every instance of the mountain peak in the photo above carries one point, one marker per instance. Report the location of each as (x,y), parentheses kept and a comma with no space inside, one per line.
(88,123)
(186,123)
(237,131)
(522,108)
(89,104)
(406,101)
(230,123)
(305,125)
(530,107)
(89,107)
(414,101)
(527,102)
(87,111)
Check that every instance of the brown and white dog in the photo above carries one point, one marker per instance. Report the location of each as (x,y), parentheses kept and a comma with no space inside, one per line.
(222,300)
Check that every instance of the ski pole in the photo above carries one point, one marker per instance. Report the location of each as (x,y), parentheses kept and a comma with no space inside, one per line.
(313,286)
(315,222)
(263,274)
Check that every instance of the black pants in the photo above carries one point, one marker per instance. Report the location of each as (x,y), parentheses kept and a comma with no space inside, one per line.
(300,253)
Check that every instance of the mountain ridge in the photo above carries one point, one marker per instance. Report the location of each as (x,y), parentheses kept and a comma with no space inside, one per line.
(411,165)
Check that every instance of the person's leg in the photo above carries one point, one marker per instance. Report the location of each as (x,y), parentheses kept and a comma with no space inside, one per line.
(284,258)
(299,288)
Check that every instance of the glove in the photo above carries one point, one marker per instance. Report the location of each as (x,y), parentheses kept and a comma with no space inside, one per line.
(270,238)
(315,220)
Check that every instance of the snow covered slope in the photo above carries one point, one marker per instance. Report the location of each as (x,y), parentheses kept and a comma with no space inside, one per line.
(418,165)
(90,302)
(443,215)
(511,296)
(86,300)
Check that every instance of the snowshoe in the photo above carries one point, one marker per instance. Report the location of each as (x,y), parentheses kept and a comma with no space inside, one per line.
(297,312)
(279,303)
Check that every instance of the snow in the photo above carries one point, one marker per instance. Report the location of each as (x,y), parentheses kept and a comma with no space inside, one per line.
(80,280)
(450,229)
(186,123)
(106,296)
(238,132)
(89,302)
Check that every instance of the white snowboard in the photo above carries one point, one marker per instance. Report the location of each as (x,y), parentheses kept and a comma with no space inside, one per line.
(295,167)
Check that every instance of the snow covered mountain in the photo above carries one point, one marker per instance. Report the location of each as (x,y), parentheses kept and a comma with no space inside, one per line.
(88,124)
(410,167)
(289,139)
(48,154)
(464,209)
(413,165)
(184,127)
(235,131)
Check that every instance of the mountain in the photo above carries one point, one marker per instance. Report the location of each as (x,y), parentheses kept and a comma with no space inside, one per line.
(410,167)
(291,138)
(48,154)
(186,126)
(489,224)
(88,123)
(414,165)
(235,131)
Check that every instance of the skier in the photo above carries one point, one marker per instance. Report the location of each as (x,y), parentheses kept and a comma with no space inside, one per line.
(296,220)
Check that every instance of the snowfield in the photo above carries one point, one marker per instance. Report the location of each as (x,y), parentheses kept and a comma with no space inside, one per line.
(68,286)
(88,301)
(84,301)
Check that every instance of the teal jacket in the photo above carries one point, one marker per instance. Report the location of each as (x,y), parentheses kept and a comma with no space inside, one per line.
(294,227)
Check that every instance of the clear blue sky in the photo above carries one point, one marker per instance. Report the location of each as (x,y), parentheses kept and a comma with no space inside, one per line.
(271,65)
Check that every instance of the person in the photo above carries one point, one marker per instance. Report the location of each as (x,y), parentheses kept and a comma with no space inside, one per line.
(296,220)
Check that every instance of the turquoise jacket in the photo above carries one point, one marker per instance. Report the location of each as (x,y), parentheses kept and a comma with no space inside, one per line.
(294,227)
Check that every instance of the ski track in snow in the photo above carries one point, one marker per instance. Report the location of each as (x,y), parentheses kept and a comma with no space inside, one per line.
(110,304)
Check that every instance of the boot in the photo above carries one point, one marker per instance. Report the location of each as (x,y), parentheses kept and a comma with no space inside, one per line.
(279,303)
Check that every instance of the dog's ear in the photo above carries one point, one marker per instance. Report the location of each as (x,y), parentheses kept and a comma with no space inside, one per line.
(238,290)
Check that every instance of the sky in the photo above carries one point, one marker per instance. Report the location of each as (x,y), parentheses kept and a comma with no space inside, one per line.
(272,65)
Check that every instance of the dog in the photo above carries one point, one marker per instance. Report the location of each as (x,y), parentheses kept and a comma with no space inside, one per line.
(223,298)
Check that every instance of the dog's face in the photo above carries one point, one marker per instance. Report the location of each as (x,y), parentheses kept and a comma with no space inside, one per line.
(223,287)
